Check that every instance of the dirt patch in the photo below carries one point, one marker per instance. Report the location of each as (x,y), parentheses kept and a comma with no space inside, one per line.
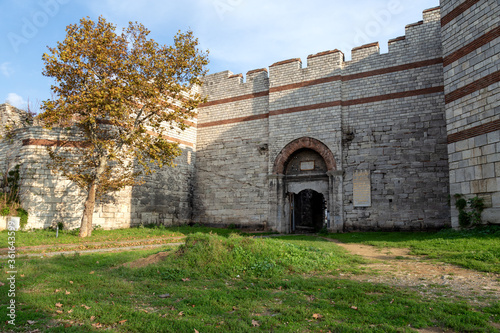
(434,330)
(143,262)
(93,245)
(397,267)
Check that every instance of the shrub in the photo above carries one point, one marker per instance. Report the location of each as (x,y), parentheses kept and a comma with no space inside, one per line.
(469,216)
(5,211)
(23,214)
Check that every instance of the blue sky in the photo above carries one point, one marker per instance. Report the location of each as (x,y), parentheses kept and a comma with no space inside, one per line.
(241,35)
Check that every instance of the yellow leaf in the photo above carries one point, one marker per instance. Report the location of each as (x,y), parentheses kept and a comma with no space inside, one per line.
(59,305)
(317,316)
(255,323)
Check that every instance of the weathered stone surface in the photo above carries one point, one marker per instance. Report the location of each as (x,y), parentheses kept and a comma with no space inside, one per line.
(423,119)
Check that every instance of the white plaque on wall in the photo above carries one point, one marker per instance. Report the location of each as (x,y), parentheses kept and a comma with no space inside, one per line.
(306,165)
(362,188)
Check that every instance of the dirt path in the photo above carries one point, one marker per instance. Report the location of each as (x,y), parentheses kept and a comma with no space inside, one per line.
(396,267)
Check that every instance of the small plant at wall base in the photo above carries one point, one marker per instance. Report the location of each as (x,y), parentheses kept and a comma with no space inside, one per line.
(469,211)
(9,196)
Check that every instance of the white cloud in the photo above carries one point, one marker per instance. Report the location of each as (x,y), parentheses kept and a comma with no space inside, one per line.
(6,69)
(17,101)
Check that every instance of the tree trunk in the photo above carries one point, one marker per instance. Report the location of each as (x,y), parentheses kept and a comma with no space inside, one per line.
(88,212)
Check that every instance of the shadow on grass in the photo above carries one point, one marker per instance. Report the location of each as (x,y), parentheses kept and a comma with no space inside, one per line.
(477,248)
(87,291)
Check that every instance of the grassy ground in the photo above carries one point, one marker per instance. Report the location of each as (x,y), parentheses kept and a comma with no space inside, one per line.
(48,236)
(477,249)
(229,284)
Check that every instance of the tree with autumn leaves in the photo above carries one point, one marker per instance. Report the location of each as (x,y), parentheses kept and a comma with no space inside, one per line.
(123,91)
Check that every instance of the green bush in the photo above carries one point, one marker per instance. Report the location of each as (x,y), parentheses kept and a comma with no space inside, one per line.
(23,214)
(5,211)
(469,217)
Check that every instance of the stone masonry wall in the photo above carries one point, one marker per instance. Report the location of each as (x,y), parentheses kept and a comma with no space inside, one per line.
(11,118)
(394,126)
(422,120)
(232,154)
(471,53)
(164,198)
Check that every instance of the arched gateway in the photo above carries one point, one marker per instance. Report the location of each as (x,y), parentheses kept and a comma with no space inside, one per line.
(306,188)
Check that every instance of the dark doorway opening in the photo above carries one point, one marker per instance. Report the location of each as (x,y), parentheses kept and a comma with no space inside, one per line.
(308,213)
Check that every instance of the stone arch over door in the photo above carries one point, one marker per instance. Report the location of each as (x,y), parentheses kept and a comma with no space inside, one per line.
(282,187)
(303,143)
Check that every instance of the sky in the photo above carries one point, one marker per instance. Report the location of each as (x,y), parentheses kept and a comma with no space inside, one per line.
(241,35)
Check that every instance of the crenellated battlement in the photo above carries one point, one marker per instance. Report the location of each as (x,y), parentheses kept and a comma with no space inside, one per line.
(364,51)
(407,48)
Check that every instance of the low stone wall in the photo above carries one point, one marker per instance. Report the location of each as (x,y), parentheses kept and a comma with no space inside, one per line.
(164,198)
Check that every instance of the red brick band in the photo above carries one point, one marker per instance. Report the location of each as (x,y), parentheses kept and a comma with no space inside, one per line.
(306,83)
(457,11)
(481,41)
(475,131)
(329,79)
(362,75)
(483,82)
(169,138)
(82,144)
(393,69)
(234,120)
(358,101)
(402,94)
(235,99)
(55,143)
(305,108)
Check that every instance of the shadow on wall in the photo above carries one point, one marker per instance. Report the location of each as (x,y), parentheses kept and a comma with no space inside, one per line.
(393,121)
(231,183)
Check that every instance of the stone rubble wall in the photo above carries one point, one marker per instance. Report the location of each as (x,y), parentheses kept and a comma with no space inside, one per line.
(471,53)
(164,198)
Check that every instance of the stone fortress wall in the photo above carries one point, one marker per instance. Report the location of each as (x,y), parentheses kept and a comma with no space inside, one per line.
(471,62)
(164,198)
(389,138)
(383,113)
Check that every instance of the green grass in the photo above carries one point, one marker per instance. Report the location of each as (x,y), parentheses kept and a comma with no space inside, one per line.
(48,236)
(477,249)
(226,284)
